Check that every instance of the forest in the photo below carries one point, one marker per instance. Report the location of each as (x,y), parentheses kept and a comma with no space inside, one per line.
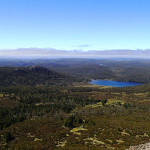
(49,105)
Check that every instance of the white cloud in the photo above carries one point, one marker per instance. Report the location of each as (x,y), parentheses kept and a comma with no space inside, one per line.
(53,53)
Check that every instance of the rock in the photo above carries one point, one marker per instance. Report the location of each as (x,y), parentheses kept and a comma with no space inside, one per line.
(140,147)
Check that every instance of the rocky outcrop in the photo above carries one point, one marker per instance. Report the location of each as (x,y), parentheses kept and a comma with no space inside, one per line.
(140,147)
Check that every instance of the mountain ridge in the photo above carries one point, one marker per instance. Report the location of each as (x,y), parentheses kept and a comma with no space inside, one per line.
(34,75)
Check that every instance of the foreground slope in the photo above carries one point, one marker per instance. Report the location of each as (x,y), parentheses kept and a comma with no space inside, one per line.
(73,118)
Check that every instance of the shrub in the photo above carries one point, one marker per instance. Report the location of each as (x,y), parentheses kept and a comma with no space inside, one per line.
(73,121)
(7,137)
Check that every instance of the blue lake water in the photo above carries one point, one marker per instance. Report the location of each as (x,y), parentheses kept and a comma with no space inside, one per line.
(114,83)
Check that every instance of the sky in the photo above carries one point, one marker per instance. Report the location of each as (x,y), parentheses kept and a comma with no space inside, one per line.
(75,24)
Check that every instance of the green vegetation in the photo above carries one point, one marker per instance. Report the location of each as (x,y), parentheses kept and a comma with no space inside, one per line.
(73,121)
(92,117)
(131,70)
(49,110)
(33,76)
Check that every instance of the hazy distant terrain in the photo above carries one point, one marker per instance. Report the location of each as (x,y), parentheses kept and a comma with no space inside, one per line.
(131,70)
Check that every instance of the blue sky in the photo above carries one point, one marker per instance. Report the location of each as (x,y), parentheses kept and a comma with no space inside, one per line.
(75,24)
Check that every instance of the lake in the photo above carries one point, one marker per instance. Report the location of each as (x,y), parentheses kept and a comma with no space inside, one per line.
(114,83)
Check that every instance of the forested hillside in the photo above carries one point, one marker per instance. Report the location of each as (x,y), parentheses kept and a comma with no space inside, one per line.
(34,75)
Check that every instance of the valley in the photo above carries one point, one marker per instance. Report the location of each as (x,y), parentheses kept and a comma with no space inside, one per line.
(65,112)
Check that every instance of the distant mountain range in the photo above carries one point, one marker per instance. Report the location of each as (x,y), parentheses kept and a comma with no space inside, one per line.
(53,53)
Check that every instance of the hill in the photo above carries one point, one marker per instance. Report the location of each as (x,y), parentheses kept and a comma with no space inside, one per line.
(34,75)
